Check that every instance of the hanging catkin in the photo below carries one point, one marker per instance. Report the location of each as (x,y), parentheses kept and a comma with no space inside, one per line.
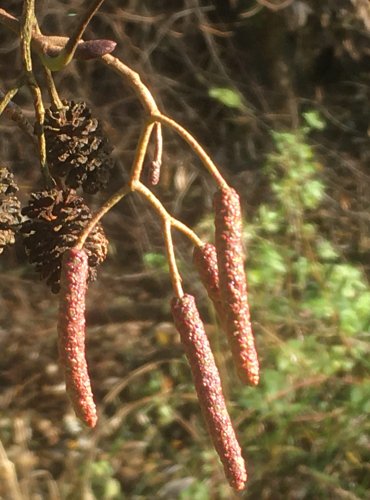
(71,334)
(205,261)
(233,287)
(209,390)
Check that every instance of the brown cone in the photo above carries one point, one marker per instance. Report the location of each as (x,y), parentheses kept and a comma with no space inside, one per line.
(55,219)
(10,209)
(76,149)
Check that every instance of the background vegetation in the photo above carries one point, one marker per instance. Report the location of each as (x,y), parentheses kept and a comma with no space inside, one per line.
(278,93)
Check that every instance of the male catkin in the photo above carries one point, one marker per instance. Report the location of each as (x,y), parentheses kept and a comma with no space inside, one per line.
(71,334)
(209,390)
(233,286)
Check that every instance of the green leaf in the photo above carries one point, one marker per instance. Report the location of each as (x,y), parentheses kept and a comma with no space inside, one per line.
(313,120)
(228,97)
(154,260)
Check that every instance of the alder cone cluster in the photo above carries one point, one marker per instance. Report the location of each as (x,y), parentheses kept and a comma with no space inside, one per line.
(10,208)
(77,151)
(55,220)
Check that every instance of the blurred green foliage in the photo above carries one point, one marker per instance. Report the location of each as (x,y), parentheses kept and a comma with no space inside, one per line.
(305,429)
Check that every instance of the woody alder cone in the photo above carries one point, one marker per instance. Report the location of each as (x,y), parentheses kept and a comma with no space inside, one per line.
(55,221)
(10,208)
(76,148)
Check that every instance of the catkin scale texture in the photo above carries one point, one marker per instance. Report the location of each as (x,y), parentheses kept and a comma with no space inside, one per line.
(71,334)
(205,261)
(209,390)
(233,286)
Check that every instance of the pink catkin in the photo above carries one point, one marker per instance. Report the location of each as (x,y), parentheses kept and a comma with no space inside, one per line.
(233,286)
(154,169)
(71,334)
(205,261)
(209,390)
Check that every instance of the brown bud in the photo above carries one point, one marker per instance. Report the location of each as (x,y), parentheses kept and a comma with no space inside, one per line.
(233,286)
(71,334)
(93,49)
(205,261)
(209,390)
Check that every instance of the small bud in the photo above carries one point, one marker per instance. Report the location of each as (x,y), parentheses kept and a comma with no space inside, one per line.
(209,390)
(93,49)
(205,261)
(233,286)
(71,334)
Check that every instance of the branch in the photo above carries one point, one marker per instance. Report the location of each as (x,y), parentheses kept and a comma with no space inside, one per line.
(49,48)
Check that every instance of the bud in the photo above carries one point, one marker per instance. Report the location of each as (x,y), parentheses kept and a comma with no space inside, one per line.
(93,49)
(71,334)
(233,286)
(209,390)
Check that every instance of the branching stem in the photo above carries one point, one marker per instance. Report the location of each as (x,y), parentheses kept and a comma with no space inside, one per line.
(26,29)
(71,46)
(196,147)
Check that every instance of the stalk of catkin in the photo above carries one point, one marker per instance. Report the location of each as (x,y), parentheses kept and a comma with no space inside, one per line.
(205,261)
(208,387)
(71,334)
(233,286)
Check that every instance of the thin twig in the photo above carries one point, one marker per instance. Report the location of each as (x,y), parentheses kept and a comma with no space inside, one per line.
(5,100)
(50,48)
(134,81)
(196,147)
(141,152)
(113,200)
(28,21)
(53,93)
(71,46)
(170,251)
(164,214)
(14,112)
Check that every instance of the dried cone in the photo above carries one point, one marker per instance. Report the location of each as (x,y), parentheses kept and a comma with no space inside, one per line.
(10,209)
(71,334)
(76,148)
(209,390)
(205,261)
(55,219)
(233,287)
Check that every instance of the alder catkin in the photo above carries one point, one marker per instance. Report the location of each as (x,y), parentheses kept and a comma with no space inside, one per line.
(233,286)
(209,390)
(154,168)
(71,334)
(205,261)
